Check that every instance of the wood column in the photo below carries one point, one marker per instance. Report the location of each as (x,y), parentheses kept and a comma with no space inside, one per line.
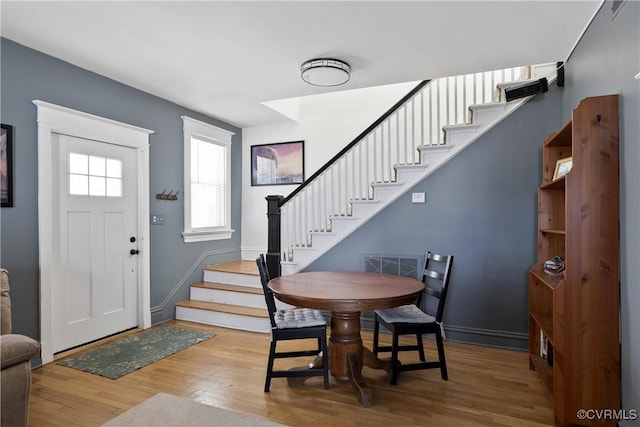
(273,238)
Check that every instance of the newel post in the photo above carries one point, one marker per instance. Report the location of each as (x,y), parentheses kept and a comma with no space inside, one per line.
(273,239)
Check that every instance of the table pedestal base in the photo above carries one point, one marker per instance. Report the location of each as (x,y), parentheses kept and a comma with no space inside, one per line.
(347,356)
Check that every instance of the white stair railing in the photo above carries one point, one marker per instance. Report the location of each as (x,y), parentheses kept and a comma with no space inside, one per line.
(418,121)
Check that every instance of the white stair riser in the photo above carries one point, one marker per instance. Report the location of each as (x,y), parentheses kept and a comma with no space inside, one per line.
(458,136)
(387,193)
(364,209)
(232,278)
(340,225)
(433,159)
(487,115)
(225,320)
(406,175)
(430,152)
(287,268)
(321,240)
(227,297)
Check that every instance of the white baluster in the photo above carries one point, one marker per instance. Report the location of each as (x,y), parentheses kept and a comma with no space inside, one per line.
(313,191)
(296,221)
(405,127)
(413,124)
(323,201)
(433,126)
(339,187)
(421,118)
(284,253)
(375,157)
(397,116)
(447,91)
(389,158)
(482,99)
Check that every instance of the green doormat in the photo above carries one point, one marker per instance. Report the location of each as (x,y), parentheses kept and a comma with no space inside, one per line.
(135,352)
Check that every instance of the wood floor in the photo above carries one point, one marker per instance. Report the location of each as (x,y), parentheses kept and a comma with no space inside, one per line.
(486,387)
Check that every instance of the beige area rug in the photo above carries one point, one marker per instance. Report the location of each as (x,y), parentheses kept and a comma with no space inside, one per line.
(167,410)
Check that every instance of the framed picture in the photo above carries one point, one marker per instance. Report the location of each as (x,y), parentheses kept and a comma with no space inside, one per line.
(6,166)
(277,164)
(563,166)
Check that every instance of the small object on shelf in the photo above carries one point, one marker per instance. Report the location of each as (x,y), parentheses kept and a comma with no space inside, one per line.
(554,266)
(563,167)
(543,344)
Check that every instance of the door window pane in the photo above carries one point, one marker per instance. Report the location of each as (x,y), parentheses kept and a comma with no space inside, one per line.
(97,186)
(78,185)
(114,168)
(78,163)
(94,176)
(114,187)
(97,166)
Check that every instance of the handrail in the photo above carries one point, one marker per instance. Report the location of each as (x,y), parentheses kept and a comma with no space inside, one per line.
(357,139)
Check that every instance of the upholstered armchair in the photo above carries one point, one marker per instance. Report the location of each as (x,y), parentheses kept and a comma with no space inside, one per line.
(16,352)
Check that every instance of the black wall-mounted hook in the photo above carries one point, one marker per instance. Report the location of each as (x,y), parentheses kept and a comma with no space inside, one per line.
(167,196)
(160,196)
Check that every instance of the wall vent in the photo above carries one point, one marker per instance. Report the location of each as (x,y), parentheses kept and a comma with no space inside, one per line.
(400,265)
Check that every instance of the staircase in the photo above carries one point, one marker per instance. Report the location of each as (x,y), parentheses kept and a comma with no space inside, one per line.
(419,135)
(415,138)
(230,296)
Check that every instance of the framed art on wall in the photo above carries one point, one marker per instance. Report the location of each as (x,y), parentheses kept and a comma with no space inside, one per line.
(277,164)
(6,165)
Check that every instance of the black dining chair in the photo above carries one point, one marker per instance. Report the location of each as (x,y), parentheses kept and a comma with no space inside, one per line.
(419,319)
(293,324)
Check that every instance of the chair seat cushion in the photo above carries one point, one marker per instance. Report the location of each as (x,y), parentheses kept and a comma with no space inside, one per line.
(298,318)
(405,314)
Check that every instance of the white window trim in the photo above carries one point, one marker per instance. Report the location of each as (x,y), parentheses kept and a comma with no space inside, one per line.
(207,132)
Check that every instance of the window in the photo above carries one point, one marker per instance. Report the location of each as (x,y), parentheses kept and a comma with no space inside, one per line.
(207,181)
(94,176)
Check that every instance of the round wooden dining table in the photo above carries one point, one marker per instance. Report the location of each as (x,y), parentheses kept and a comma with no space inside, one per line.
(346,294)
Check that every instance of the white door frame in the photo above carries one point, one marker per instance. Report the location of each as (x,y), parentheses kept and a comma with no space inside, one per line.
(56,119)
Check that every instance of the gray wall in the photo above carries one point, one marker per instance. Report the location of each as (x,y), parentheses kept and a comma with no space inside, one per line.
(605,62)
(481,207)
(29,75)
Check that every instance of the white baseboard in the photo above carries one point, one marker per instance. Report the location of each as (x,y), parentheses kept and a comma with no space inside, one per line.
(250,254)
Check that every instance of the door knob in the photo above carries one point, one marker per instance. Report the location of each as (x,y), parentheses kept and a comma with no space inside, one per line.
(134,252)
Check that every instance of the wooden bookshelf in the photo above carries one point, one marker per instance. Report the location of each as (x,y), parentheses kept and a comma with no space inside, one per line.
(577,313)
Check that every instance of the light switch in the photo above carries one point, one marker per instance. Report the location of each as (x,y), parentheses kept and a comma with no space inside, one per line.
(418,198)
(157,219)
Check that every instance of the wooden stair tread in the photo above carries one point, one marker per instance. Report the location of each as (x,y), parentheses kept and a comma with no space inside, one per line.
(239,267)
(226,287)
(224,308)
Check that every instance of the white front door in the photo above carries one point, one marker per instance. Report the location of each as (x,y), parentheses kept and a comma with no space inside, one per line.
(96,261)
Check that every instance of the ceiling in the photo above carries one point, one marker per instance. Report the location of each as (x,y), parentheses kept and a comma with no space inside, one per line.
(223,58)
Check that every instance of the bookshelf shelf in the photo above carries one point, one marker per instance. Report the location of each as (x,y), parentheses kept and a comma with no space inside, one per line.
(545,371)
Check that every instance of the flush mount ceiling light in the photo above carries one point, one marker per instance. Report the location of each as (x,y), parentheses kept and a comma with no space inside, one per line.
(325,72)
